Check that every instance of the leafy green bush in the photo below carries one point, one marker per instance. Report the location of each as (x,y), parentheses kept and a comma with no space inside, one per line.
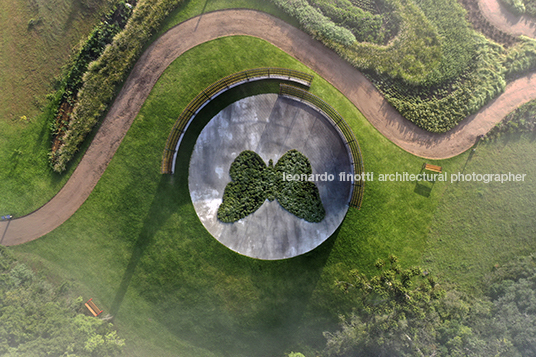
(39,319)
(106,74)
(253,183)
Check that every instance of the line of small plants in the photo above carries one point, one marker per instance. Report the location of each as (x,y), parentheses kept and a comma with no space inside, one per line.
(253,183)
(521,7)
(72,79)
(105,75)
(377,27)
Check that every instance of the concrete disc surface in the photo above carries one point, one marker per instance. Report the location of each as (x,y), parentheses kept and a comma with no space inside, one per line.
(269,125)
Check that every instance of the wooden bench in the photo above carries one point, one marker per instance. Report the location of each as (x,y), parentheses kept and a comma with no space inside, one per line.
(93,308)
(433,168)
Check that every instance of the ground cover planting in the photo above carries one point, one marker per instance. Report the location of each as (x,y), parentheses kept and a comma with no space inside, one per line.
(438,70)
(152,236)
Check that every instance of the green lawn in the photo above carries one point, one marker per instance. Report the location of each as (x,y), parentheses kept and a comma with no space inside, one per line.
(478,225)
(148,260)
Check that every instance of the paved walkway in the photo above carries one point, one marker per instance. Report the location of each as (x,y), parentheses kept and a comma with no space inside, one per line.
(312,53)
(504,20)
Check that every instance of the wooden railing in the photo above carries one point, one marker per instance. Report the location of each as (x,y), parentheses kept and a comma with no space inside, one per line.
(212,91)
(358,187)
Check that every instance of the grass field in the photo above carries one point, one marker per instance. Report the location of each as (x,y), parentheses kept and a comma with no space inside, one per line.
(479,225)
(149,261)
(30,58)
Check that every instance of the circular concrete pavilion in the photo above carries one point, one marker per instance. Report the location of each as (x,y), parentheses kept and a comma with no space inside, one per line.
(269,125)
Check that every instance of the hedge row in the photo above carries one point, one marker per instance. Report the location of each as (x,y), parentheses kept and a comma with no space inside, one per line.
(253,183)
(365,26)
(105,75)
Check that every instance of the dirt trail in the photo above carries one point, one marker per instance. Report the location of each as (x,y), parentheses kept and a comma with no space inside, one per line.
(291,40)
(504,20)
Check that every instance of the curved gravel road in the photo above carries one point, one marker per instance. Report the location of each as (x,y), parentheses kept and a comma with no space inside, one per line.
(291,40)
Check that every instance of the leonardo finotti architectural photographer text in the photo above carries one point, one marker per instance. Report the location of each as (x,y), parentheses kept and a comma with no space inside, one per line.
(407,177)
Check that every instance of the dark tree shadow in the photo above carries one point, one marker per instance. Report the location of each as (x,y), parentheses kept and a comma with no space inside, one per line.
(159,212)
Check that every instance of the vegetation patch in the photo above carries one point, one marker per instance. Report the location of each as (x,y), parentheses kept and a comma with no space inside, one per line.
(406,312)
(72,79)
(254,182)
(105,75)
(522,119)
(345,21)
(437,70)
(38,318)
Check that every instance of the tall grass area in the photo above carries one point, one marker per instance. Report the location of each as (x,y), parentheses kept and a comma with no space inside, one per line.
(137,246)
(30,57)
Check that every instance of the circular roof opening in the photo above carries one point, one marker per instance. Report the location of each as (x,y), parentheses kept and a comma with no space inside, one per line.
(270,126)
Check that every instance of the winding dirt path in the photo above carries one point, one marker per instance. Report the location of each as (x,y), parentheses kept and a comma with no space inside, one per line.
(504,20)
(291,40)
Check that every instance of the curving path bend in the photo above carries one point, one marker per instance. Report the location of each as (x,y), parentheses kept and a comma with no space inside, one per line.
(504,20)
(291,40)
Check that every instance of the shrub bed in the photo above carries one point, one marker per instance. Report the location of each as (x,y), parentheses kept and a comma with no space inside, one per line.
(90,50)
(253,183)
(105,75)
(438,70)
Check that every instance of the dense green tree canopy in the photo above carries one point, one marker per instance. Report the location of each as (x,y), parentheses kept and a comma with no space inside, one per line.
(39,319)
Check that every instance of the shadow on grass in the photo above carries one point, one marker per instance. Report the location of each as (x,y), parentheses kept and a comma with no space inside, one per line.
(423,189)
(161,209)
